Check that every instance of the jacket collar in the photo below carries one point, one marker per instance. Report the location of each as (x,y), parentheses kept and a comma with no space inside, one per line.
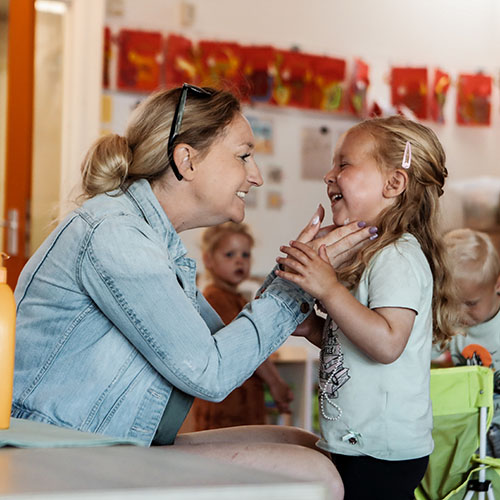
(142,196)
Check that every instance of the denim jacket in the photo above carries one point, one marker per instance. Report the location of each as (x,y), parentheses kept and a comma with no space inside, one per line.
(109,319)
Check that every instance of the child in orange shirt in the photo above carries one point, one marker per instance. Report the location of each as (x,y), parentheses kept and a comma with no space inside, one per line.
(227,251)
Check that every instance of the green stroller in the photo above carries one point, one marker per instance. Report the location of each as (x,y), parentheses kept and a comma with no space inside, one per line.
(462,402)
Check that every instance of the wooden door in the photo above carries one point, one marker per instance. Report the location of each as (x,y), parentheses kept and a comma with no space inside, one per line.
(19,125)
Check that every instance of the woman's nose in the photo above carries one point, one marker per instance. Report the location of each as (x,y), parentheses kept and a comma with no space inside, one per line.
(254,175)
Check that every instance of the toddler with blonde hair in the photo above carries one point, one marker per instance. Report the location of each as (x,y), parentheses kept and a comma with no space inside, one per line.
(475,267)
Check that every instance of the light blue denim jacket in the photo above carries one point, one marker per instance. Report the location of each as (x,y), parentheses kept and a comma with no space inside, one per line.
(109,319)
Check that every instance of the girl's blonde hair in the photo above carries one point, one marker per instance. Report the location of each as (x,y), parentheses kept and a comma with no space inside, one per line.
(114,162)
(212,236)
(472,256)
(415,211)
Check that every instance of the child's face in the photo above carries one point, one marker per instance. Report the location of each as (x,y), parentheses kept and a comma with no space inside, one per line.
(230,261)
(355,184)
(479,301)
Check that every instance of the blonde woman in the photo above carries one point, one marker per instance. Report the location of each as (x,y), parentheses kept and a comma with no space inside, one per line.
(112,335)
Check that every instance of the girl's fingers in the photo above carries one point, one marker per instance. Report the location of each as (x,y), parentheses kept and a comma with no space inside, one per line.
(294,278)
(296,253)
(289,263)
(306,249)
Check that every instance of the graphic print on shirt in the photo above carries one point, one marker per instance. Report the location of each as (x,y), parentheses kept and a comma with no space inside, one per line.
(332,372)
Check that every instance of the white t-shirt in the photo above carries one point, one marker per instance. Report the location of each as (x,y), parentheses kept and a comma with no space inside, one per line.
(487,336)
(371,408)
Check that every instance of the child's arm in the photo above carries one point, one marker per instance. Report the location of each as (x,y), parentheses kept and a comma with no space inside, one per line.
(280,391)
(381,333)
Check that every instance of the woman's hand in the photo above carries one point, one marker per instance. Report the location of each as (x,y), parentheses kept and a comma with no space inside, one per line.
(311,329)
(341,242)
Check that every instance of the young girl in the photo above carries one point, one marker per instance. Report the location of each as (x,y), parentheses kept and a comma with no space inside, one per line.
(383,307)
(227,252)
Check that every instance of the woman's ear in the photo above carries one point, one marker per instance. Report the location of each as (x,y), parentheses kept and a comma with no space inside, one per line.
(395,183)
(183,156)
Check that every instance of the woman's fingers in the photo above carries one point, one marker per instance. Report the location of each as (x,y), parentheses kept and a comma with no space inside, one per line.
(337,234)
(311,230)
(347,248)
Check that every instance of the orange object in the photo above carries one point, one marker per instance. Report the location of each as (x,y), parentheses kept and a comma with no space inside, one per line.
(7,345)
(482,353)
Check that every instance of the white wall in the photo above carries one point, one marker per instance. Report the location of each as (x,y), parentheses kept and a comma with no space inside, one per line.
(456,35)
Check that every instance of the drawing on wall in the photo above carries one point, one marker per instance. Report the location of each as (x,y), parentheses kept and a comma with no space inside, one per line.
(139,60)
(438,96)
(409,88)
(473,99)
(274,200)
(275,174)
(263,132)
(316,151)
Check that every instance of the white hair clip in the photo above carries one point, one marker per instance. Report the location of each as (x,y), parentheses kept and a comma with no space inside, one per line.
(407,156)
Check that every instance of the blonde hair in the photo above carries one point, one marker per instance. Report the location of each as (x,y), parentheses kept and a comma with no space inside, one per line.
(114,162)
(472,255)
(415,211)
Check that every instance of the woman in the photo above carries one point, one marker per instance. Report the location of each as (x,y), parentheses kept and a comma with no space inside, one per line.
(112,335)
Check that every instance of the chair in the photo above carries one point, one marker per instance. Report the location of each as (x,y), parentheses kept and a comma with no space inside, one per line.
(462,402)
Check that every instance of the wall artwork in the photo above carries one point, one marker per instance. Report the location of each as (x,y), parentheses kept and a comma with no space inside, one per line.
(263,132)
(275,174)
(139,60)
(473,99)
(440,88)
(274,200)
(316,151)
(409,89)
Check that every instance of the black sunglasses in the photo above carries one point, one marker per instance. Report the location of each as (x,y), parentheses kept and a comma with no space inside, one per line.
(177,121)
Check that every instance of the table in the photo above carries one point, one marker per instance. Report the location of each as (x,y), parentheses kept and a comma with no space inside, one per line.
(135,472)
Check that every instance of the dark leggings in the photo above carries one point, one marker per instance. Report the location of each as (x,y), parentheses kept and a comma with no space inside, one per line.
(368,478)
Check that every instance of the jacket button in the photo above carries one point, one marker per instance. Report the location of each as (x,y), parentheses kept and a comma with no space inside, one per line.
(304,307)
(353,440)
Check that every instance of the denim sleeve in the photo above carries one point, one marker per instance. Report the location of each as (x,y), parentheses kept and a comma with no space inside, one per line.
(129,275)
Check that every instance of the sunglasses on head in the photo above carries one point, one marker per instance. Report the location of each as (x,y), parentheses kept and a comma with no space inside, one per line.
(177,121)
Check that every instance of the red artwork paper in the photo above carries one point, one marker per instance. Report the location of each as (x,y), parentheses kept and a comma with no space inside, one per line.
(358,85)
(221,65)
(292,75)
(409,88)
(181,65)
(327,83)
(139,60)
(258,63)
(438,97)
(473,100)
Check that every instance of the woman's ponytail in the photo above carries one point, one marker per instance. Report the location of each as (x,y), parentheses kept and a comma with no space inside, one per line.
(105,167)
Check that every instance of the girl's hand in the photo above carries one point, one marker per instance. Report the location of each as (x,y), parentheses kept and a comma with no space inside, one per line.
(310,270)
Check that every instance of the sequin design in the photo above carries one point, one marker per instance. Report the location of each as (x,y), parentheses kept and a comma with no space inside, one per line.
(332,372)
